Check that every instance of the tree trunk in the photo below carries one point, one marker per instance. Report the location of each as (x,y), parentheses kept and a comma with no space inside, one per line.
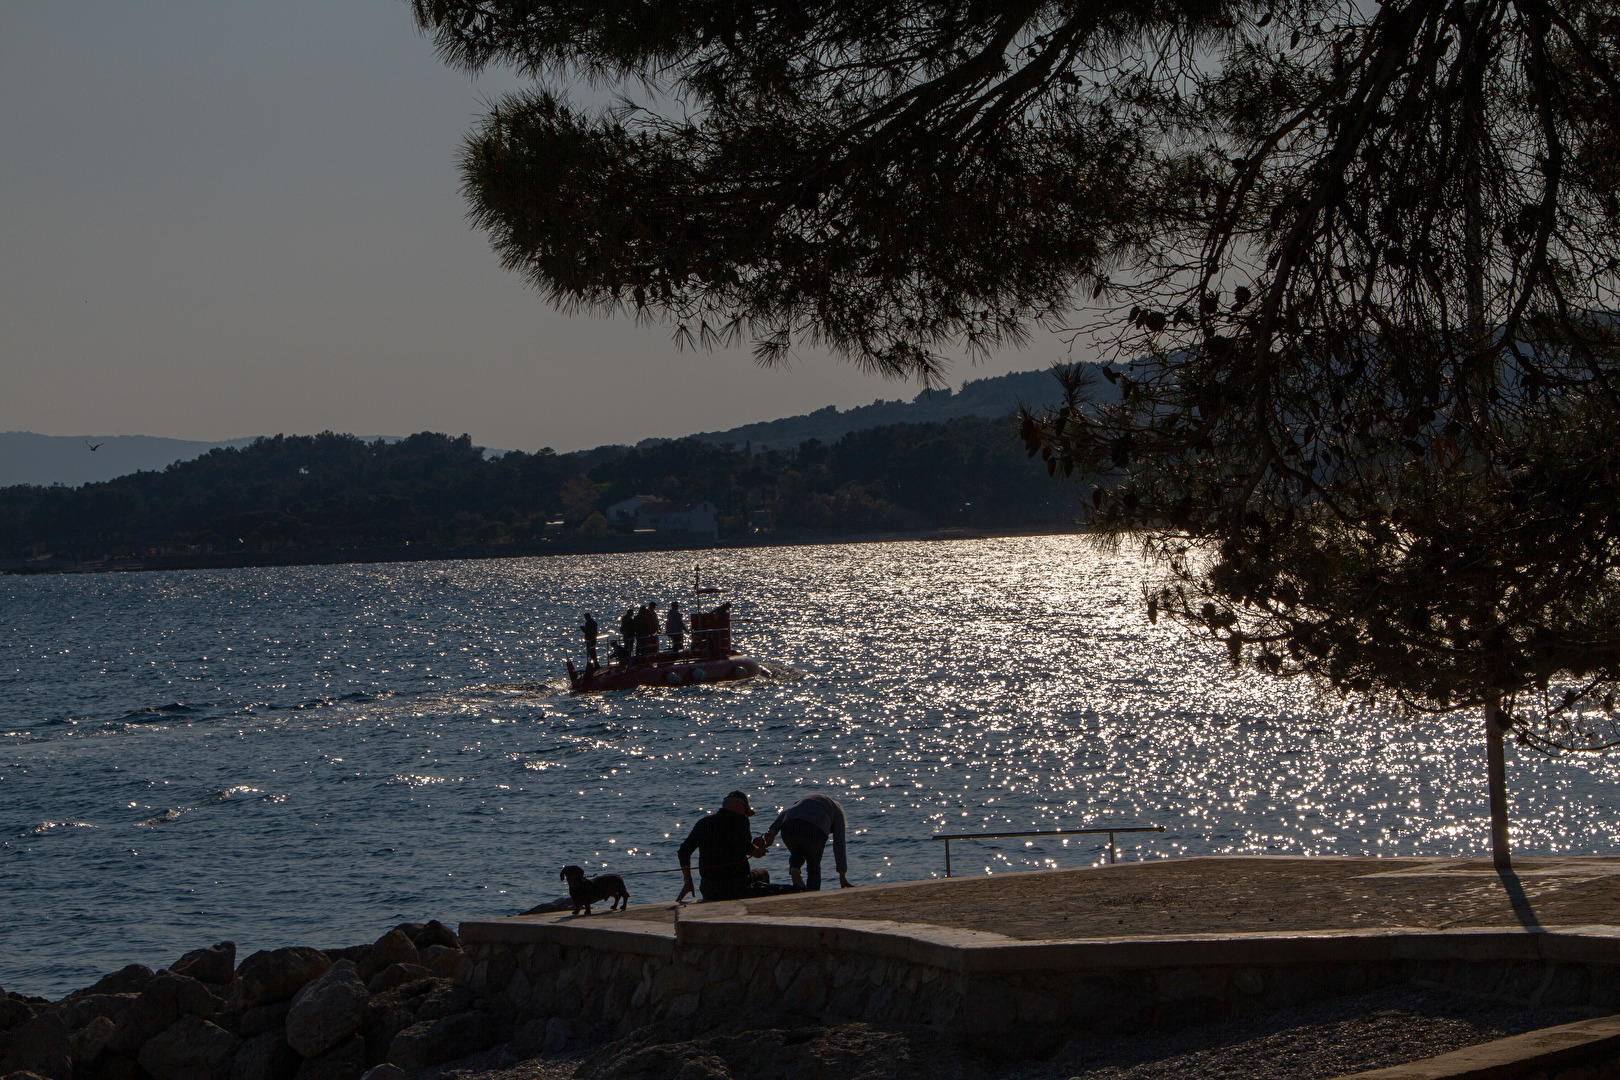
(1496,771)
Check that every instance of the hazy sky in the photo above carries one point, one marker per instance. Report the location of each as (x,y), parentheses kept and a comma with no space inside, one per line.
(228,218)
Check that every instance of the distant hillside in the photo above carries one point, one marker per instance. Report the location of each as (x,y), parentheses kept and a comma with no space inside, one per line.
(302,494)
(28,458)
(992,398)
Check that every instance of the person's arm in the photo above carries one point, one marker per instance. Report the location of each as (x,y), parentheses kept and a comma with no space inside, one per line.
(775,829)
(840,856)
(685,856)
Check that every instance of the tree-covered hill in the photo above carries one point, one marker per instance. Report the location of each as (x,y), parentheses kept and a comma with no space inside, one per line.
(326,493)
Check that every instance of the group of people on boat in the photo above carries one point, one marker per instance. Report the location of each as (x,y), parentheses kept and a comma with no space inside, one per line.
(724,843)
(639,635)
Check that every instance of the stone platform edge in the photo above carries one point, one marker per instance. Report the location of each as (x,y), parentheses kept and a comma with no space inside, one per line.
(974,952)
(1582,1049)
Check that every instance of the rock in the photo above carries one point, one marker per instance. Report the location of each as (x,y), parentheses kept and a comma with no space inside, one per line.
(345,1061)
(355,954)
(192,1049)
(266,1056)
(424,1044)
(562,903)
(77,1011)
(262,1018)
(269,976)
(410,930)
(392,948)
(327,1011)
(13,1012)
(87,1044)
(215,964)
(385,1071)
(118,1067)
(40,1045)
(130,979)
(446,1000)
(165,1000)
(397,975)
(558,1032)
(436,933)
(444,961)
(23,1074)
(384,1019)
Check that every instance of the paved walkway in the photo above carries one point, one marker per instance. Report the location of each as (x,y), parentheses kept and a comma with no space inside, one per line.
(1220,895)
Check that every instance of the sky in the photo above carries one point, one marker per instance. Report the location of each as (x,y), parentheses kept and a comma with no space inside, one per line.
(221,219)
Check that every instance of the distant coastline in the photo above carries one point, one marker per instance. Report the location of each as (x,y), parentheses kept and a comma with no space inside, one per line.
(564,545)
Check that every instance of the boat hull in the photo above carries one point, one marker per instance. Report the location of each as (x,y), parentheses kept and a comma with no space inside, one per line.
(664,673)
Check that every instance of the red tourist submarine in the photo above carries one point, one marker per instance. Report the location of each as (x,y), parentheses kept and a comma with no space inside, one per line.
(706,655)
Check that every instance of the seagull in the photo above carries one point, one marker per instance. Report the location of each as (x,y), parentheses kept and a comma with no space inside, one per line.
(94,446)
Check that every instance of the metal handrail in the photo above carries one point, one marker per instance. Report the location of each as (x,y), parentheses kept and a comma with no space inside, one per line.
(948,837)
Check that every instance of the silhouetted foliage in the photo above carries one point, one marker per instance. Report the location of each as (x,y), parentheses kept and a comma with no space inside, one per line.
(1362,261)
(335,492)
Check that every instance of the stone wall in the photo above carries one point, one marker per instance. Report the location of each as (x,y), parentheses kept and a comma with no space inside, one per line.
(1015,998)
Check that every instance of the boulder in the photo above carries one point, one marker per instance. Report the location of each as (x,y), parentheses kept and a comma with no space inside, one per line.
(436,933)
(410,930)
(446,999)
(118,1067)
(345,1061)
(262,1018)
(79,1010)
(385,1018)
(87,1044)
(384,1071)
(392,948)
(24,1074)
(353,953)
(191,1049)
(425,1044)
(215,964)
(265,1056)
(395,975)
(13,1012)
(327,1011)
(276,975)
(165,1000)
(130,979)
(40,1045)
(444,961)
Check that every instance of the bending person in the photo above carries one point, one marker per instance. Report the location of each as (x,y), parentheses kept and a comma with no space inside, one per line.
(805,827)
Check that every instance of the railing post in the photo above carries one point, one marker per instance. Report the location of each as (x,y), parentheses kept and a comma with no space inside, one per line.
(1110,847)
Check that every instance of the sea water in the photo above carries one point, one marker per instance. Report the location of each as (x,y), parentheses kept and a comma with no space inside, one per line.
(310,755)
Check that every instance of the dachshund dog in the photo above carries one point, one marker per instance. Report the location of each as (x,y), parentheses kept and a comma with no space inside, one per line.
(587,891)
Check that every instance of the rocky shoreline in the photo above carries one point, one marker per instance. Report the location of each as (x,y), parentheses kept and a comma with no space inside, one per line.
(285,1014)
(402,1008)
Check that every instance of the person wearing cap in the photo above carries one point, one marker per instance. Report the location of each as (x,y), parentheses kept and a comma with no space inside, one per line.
(724,843)
(805,827)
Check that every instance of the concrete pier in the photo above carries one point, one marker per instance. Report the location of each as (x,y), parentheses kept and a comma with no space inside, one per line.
(1020,963)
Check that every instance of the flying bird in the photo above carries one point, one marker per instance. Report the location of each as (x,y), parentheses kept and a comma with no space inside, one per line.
(94,446)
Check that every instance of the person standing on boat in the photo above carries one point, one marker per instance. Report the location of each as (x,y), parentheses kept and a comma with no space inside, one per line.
(590,630)
(724,843)
(805,827)
(627,633)
(675,627)
(649,630)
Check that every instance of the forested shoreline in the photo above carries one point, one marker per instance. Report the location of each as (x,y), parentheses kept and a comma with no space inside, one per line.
(329,493)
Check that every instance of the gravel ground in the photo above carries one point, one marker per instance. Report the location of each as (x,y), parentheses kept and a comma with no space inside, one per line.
(1314,1042)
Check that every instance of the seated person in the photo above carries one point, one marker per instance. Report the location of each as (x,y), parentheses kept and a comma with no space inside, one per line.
(724,843)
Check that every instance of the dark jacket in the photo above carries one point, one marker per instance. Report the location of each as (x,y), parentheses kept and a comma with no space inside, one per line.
(722,842)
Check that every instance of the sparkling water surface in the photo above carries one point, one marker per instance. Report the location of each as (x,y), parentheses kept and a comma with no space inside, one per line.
(312,754)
